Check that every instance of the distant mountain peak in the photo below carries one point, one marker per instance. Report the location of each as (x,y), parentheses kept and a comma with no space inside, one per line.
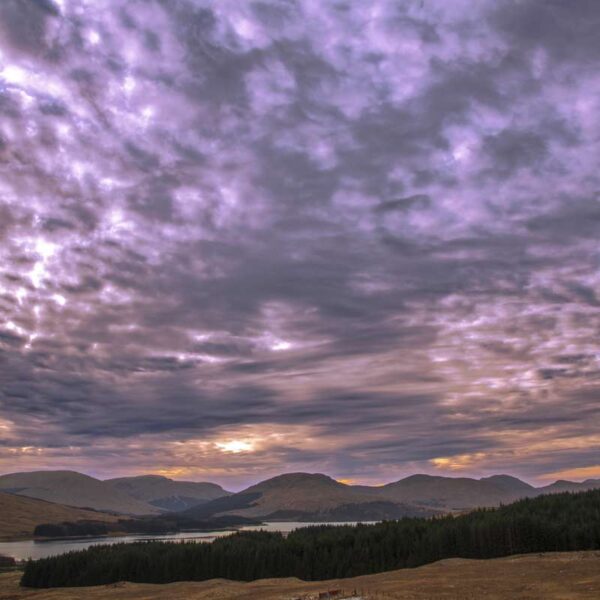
(147,478)
(298,479)
(167,494)
(421,477)
(509,482)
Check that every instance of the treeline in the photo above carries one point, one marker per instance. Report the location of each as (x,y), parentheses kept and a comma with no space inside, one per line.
(171,523)
(561,522)
(71,529)
(7,562)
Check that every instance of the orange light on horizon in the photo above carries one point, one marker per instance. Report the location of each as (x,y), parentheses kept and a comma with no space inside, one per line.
(575,473)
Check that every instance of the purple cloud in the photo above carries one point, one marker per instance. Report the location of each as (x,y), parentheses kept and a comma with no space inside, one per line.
(351,237)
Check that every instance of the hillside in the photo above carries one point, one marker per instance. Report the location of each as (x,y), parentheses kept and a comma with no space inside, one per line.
(551,576)
(464,493)
(511,485)
(569,486)
(301,492)
(317,497)
(167,494)
(73,489)
(20,515)
(452,494)
(305,496)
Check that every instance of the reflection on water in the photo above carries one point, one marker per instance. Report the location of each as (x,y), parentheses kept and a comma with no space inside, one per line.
(41,549)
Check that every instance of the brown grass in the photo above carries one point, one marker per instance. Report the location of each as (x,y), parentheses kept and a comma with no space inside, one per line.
(556,576)
(20,515)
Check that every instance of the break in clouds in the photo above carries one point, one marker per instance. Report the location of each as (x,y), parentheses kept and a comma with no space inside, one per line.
(241,238)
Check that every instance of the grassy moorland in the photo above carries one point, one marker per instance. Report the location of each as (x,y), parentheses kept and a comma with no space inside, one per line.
(563,522)
(21,515)
(557,576)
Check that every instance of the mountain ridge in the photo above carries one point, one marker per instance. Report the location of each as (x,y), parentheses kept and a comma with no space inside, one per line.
(168,494)
(318,497)
(73,489)
(289,496)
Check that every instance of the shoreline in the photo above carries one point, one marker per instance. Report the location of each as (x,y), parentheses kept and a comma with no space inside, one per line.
(8,540)
(32,538)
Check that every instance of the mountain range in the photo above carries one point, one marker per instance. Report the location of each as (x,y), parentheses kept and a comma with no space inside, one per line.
(303,496)
(291,496)
(144,495)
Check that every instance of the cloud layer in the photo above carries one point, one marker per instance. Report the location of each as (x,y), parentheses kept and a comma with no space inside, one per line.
(238,238)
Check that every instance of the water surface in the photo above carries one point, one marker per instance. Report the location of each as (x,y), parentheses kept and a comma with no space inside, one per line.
(35,549)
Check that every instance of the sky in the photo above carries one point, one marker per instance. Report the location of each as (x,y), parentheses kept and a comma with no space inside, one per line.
(245,238)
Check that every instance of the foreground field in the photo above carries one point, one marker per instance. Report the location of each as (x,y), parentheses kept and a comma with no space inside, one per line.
(555,576)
